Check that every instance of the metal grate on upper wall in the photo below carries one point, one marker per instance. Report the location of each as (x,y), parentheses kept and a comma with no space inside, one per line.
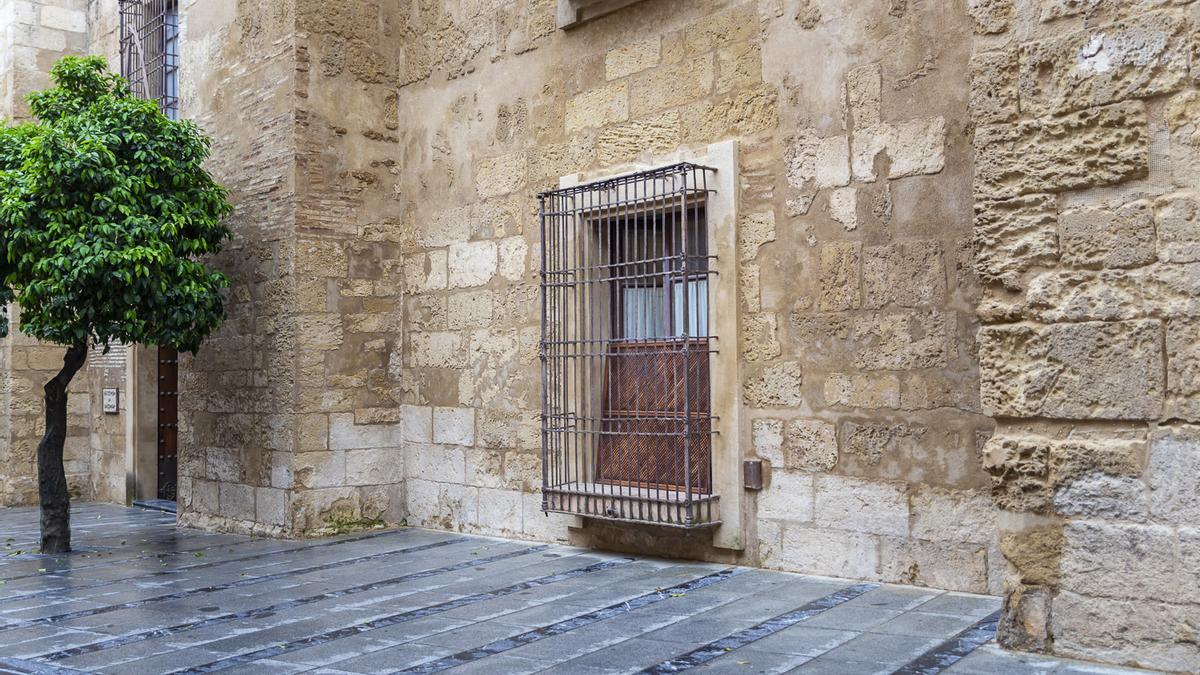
(626,406)
(149,40)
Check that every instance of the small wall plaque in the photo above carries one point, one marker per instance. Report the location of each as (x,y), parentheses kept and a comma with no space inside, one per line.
(112,401)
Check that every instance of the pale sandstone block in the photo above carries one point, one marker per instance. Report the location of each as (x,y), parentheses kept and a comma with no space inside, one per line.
(628,141)
(942,565)
(1093,147)
(839,273)
(270,506)
(789,497)
(843,207)
(223,464)
(991,16)
(469,310)
(738,65)
(940,514)
(863,95)
(236,501)
(832,162)
(830,552)
(513,253)
(344,434)
(375,466)
(858,505)
(1125,631)
(1076,371)
(810,444)
(500,175)
(904,341)
(1177,218)
(312,433)
(500,511)
(800,157)
(1175,474)
(1098,495)
(778,385)
(540,525)
(632,58)
(434,463)
(455,426)
(472,263)
(320,332)
(767,435)
(754,230)
(735,24)
(673,85)
(598,107)
(1141,57)
(744,112)
(1183,369)
(913,148)
(63,18)
(1014,236)
(1123,561)
(1104,237)
(994,77)
(906,274)
(205,496)
(434,349)
(862,390)
(760,340)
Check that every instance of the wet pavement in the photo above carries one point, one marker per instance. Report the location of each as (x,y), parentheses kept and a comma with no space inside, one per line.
(142,596)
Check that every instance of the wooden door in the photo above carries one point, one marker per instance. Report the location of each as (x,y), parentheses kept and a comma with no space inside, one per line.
(168,422)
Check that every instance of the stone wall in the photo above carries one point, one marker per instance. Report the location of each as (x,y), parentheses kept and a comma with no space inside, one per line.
(1086,230)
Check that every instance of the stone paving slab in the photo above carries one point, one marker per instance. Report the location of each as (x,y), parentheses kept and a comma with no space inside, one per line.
(142,596)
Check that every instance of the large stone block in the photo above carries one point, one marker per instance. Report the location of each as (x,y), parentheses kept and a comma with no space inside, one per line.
(598,107)
(940,514)
(942,565)
(810,444)
(907,274)
(789,497)
(904,341)
(1094,370)
(839,272)
(627,141)
(830,552)
(1175,474)
(671,86)
(1136,562)
(344,434)
(1108,237)
(858,505)
(994,78)
(1014,236)
(1143,56)
(1090,148)
(862,390)
(632,58)
(1139,632)
(778,385)
(1177,218)
(1183,369)
(454,426)
(472,263)
(912,147)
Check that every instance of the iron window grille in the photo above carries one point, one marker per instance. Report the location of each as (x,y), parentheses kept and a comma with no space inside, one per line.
(149,41)
(626,407)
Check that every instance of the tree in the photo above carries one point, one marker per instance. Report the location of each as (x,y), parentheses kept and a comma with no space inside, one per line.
(106,213)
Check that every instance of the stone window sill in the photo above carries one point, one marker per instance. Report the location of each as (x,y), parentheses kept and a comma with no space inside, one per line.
(572,13)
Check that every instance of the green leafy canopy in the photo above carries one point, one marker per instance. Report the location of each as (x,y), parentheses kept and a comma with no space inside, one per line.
(105,213)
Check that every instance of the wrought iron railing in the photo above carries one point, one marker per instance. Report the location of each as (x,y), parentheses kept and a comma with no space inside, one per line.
(626,408)
(149,42)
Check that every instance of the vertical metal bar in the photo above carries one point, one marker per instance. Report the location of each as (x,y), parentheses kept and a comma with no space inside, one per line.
(542,356)
(687,391)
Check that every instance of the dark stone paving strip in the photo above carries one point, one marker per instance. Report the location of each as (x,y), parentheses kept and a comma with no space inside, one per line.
(951,651)
(248,581)
(121,561)
(712,650)
(199,566)
(567,625)
(394,619)
(264,612)
(23,667)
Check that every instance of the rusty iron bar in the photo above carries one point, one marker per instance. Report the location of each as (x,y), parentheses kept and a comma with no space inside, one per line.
(627,420)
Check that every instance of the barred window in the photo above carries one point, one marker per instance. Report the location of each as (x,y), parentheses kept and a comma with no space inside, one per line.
(626,345)
(149,40)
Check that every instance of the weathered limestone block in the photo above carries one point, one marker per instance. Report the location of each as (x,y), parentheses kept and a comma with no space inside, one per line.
(1150,634)
(830,552)
(863,390)
(1085,370)
(500,511)
(598,107)
(495,176)
(907,274)
(871,443)
(1020,470)
(904,341)
(743,112)
(1177,218)
(940,514)
(950,566)
(754,230)
(1089,148)
(994,77)
(767,436)
(375,466)
(669,86)
(344,434)
(1112,238)
(832,162)
(1025,619)
(858,505)
(1027,469)
(735,24)
(513,252)
(991,16)
(1101,495)
(1035,553)
(1174,474)
(1182,114)
(843,207)
(778,385)
(839,273)
(632,58)
(417,423)
(738,65)
(1141,57)
(472,263)
(436,349)
(800,157)
(912,147)
(1136,562)
(1014,236)
(625,142)
(760,341)
(810,444)
(789,497)
(435,463)
(1183,369)
(863,95)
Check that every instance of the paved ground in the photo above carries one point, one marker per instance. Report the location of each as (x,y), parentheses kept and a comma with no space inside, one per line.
(140,596)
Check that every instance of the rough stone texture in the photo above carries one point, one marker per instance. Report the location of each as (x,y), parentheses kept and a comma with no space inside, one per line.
(1121,237)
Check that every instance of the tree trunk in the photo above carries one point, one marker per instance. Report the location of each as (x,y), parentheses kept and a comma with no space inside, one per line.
(52,476)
